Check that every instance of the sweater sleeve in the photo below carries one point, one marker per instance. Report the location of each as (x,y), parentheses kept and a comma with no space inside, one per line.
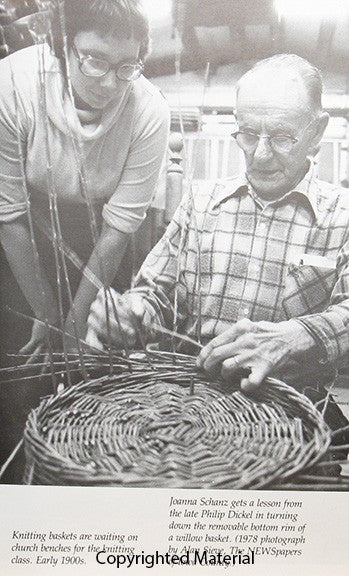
(12,148)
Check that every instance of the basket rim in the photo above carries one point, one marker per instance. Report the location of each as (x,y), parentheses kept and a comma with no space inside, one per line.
(42,458)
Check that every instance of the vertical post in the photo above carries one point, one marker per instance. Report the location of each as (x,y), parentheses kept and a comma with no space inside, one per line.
(174,176)
(345,181)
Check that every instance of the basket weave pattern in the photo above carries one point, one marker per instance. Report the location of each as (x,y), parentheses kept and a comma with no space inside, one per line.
(162,424)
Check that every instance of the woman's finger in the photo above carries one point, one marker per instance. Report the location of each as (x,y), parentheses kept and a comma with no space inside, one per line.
(34,357)
(46,364)
(31,347)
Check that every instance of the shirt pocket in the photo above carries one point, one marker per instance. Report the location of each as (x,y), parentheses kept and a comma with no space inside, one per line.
(307,289)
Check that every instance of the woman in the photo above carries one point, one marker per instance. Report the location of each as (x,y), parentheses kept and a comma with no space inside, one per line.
(82,129)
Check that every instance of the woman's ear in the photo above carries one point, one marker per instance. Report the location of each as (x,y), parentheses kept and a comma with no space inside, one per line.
(320,124)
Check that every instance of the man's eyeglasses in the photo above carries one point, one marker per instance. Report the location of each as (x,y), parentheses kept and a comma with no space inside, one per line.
(248,141)
(97,68)
(279,143)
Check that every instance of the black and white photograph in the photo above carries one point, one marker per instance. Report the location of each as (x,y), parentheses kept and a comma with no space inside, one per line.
(174,230)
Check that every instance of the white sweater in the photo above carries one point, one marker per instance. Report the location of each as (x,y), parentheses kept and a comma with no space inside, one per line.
(121,156)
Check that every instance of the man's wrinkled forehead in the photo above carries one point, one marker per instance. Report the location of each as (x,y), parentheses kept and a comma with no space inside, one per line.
(267,89)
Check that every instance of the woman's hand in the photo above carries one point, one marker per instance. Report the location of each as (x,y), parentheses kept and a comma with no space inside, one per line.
(31,277)
(37,343)
(100,270)
(38,346)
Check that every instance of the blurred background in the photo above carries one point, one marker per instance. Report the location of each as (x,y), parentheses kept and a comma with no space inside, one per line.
(230,35)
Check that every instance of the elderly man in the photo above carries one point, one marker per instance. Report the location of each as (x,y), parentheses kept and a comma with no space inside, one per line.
(257,267)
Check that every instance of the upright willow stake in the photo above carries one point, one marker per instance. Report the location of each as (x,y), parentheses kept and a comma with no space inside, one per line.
(40,33)
(190,210)
(197,236)
(10,458)
(31,226)
(56,234)
(122,334)
(79,159)
(58,239)
(54,216)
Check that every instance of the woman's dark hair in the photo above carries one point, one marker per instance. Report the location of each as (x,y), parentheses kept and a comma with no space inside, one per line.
(123,19)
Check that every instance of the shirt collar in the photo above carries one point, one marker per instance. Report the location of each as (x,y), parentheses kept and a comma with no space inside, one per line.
(307,188)
(229,187)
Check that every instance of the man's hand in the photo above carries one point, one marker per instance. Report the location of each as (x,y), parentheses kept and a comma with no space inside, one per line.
(127,319)
(261,347)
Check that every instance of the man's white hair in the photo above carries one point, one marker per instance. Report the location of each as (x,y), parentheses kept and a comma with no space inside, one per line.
(297,67)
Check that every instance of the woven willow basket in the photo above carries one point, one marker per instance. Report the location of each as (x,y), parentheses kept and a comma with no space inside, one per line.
(158,422)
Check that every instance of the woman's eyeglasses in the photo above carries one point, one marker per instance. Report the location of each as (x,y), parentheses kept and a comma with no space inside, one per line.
(97,68)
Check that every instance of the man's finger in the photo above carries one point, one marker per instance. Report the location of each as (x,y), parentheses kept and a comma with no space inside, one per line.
(227,337)
(255,379)
(251,368)
(120,328)
(210,354)
(260,372)
(247,386)
(241,346)
(236,367)
(134,305)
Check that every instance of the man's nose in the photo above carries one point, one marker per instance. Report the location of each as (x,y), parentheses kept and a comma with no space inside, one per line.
(263,148)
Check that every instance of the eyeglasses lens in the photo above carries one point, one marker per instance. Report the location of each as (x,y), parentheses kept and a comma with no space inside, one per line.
(94,67)
(129,71)
(98,68)
(249,141)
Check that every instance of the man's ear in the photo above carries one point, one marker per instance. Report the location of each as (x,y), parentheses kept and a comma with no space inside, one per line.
(320,124)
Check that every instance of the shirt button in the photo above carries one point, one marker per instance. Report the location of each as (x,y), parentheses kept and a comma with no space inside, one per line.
(246,311)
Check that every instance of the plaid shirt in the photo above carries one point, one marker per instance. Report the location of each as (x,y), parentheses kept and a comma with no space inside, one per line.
(225,257)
